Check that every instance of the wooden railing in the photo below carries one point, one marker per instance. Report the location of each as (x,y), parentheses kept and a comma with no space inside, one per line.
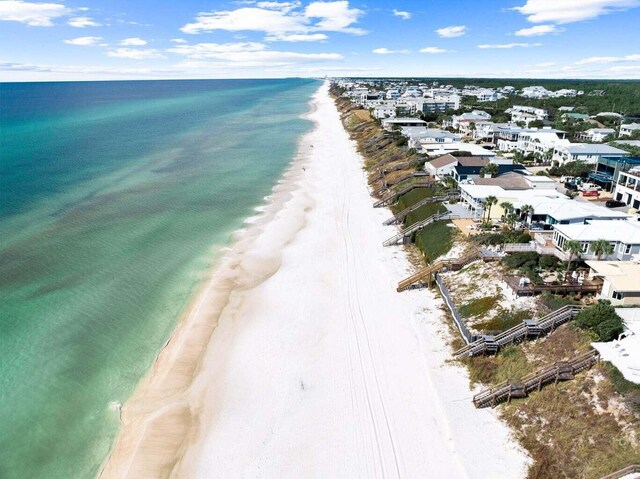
(410,230)
(530,328)
(560,371)
(427,272)
(634,468)
(393,196)
(400,217)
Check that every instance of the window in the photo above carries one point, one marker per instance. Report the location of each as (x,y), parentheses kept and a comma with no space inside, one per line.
(585,246)
(617,295)
(627,249)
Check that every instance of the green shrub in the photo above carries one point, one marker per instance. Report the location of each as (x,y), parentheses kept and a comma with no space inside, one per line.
(518,260)
(602,319)
(478,306)
(435,239)
(554,301)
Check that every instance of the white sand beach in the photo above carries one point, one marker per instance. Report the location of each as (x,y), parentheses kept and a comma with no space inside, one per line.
(300,360)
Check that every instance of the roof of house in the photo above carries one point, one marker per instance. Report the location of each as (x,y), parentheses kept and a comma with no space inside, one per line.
(627,232)
(564,209)
(508,181)
(623,275)
(593,149)
(472,161)
(631,126)
(443,160)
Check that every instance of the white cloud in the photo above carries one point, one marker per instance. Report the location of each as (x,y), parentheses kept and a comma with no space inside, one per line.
(627,58)
(401,14)
(133,42)
(625,68)
(135,53)
(568,11)
(249,54)
(386,51)
(538,30)
(432,50)
(510,45)
(296,37)
(83,22)
(334,16)
(450,32)
(545,64)
(280,18)
(178,40)
(32,14)
(214,50)
(84,41)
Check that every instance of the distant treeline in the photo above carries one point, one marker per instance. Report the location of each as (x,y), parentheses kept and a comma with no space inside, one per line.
(621,96)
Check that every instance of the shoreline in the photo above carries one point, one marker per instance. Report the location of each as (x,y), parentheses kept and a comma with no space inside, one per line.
(216,289)
(299,347)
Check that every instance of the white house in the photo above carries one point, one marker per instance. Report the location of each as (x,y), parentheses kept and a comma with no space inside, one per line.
(389,123)
(596,135)
(421,136)
(535,92)
(624,236)
(628,129)
(627,189)
(540,141)
(587,152)
(439,149)
(621,285)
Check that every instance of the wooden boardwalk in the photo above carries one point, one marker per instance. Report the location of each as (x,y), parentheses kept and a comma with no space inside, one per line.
(425,275)
(400,216)
(393,196)
(533,289)
(407,232)
(528,329)
(560,371)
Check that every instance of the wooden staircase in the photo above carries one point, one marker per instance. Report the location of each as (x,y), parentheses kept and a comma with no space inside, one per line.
(393,196)
(410,230)
(426,274)
(529,328)
(634,468)
(560,371)
(400,217)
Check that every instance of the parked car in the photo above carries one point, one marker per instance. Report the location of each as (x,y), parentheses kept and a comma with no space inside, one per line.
(571,186)
(567,179)
(590,193)
(614,204)
(589,186)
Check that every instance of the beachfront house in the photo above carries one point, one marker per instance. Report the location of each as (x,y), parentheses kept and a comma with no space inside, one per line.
(390,123)
(433,150)
(624,237)
(586,152)
(620,281)
(419,136)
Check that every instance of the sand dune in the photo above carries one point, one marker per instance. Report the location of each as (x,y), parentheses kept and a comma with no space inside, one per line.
(299,359)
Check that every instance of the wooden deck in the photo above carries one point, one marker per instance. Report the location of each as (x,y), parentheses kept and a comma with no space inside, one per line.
(560,371)
(567,288)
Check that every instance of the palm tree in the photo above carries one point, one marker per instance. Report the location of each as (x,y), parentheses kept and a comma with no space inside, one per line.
(489,201)
(572,247)
(601,248)
(525,211)
(507,209)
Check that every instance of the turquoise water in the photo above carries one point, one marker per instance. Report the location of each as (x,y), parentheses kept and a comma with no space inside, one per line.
(113,196)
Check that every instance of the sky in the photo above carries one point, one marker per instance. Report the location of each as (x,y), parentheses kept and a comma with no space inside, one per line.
(145,39)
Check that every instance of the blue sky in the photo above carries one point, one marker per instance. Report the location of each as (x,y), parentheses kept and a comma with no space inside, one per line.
(118,39)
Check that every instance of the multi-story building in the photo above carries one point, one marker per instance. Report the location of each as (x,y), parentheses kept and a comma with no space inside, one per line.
(624,237)
(596,135)
(587,152)
(627,188)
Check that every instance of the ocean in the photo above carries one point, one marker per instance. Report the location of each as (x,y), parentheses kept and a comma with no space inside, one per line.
(116,199)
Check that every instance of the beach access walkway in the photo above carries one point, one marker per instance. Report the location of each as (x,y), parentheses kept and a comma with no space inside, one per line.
(560,371)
